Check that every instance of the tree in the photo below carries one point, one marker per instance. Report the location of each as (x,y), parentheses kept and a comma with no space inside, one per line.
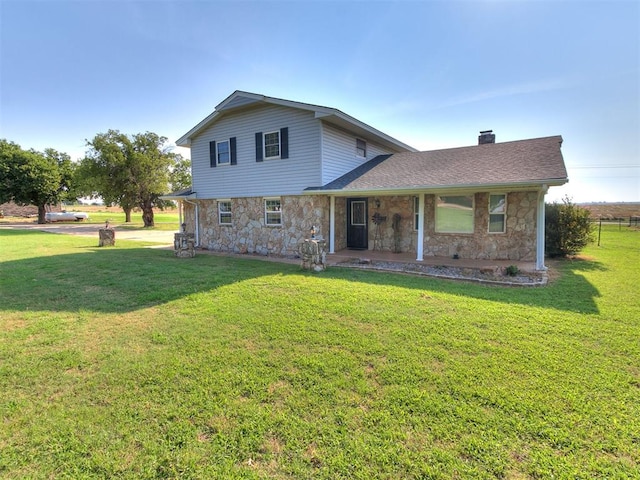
(568,228)
(180,177)
(34,178)
(130,171)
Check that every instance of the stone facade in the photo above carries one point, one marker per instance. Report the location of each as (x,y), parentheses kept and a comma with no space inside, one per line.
(249,234)
(517,243)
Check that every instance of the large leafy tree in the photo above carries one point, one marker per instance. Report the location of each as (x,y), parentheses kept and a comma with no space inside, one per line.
(130,171)
(28,177)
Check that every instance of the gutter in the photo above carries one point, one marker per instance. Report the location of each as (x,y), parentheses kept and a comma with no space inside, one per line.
(470,188)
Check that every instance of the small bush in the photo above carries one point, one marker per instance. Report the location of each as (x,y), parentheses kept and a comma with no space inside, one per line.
(568,228)
(512,270)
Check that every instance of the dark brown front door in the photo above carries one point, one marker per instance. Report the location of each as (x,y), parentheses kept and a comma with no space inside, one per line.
(357,236)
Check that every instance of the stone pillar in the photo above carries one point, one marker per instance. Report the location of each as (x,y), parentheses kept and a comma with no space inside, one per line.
(314,254)
(107,237)
(184,245)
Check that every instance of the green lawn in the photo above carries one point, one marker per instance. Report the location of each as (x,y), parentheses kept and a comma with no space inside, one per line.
(162,220)
(126,362)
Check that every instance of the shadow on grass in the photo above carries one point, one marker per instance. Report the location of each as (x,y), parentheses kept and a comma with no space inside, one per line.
(120,279)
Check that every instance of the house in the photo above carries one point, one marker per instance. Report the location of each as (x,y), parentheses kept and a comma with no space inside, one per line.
(266,171)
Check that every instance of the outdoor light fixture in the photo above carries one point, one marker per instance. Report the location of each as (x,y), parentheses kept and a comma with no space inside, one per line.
(377,203)
(313,231)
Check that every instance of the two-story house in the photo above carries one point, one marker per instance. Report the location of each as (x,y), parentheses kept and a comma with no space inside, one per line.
(266,171)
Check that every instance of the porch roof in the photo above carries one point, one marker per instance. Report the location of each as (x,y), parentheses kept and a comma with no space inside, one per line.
(517,164)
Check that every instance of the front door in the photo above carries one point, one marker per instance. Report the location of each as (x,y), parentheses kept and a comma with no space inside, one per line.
(357,235)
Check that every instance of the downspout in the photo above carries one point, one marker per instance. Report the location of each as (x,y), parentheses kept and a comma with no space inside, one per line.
(197,232)
(540,230)
(420,241)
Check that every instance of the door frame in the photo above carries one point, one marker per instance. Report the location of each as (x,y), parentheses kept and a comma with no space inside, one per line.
(360,241)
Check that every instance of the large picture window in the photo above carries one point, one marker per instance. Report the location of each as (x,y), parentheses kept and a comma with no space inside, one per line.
(273,211)
(497,213)
(224,212)
(454,214)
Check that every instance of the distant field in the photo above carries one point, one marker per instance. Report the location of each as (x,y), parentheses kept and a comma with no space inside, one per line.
(612,210)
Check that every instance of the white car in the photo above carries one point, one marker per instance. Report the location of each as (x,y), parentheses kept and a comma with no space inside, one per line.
(65,216)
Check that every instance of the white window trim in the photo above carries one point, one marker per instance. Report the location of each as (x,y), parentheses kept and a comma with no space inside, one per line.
(230,212)
(504,214)
(266,199)
(473,219)
(264,145)
(228,142)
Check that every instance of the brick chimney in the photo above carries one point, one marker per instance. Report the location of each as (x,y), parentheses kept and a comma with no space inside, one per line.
(486,136)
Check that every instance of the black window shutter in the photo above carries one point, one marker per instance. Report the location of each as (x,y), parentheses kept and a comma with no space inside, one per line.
(232,147)
(284,142)
(259,147)
(212,154)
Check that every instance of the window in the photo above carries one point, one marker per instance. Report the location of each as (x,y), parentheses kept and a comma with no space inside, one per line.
(223,154)
(416,212)
(361,148)
(271,144)
(273,211)
(454,214)
(358,212)
(224,212)
(497,213)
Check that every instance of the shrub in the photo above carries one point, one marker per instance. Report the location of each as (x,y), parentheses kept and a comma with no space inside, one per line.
(568,228)
(512,270)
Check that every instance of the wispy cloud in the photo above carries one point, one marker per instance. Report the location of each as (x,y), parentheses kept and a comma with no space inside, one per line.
(507,91)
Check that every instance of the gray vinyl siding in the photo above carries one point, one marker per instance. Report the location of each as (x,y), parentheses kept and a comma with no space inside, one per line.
(250,178)
(339,152)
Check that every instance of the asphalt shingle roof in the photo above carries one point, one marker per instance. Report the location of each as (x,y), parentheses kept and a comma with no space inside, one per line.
(536,160)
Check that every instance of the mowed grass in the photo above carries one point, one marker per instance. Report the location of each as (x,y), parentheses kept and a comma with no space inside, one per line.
(126,362)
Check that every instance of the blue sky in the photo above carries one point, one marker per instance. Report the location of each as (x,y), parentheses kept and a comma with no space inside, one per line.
(432,74)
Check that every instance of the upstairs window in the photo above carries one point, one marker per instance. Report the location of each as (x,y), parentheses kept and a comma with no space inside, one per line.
(272,145)
(454,214)
(272,211)
(223,154)
(361,148)
(497,213)
(224,212)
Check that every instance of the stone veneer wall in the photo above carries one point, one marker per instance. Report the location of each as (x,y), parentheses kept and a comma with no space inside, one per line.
(517,243)
(248,232)
(389,206)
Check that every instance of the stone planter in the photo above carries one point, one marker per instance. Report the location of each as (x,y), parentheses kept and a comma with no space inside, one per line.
(314,254)
(107,237)
(184,245)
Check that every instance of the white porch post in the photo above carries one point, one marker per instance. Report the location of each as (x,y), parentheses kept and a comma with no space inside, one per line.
(420,245)
(332,224)
(540,230)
